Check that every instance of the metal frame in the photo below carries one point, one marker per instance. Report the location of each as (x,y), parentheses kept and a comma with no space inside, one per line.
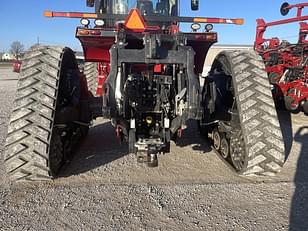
(184,55)
(119,17)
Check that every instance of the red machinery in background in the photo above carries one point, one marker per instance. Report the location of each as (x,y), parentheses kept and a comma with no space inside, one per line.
(286,63)
(16,65)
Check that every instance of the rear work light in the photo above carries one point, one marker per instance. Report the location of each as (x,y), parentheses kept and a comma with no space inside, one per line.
(99,22)
(208,27)
(195,26)
(85,22)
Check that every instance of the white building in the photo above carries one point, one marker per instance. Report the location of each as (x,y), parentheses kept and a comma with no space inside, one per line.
(7,56)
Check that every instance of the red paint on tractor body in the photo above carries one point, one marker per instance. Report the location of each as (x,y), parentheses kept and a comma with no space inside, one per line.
(96,43)
(103,72)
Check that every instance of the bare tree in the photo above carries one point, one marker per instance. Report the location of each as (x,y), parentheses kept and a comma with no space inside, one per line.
(17,49)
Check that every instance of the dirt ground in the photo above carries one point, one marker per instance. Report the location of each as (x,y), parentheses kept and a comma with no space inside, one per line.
(103,188)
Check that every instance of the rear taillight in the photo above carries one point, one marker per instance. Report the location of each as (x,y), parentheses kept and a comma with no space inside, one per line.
(88,32)
(83,32)
(95,32)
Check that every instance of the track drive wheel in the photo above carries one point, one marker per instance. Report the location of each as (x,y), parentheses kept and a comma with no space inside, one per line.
(256,142)
(34,148)
(91,73)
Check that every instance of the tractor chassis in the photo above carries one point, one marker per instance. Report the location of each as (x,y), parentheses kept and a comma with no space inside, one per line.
(152,54)
(149,87)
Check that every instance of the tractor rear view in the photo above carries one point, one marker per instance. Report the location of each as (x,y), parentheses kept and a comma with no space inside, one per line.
(147,83)
(286,63)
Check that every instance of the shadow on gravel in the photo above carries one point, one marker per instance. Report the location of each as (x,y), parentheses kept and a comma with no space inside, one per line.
(99,148)
(299,206)
(299,203)
(191,136)
(285,121)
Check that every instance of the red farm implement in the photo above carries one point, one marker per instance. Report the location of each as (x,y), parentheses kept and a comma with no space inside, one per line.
(286,63)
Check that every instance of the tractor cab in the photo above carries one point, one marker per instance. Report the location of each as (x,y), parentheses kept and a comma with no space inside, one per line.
(113,8)
(146,7)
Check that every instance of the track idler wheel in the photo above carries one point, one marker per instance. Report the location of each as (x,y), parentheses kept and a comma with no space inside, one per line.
(224,147)
(221,143)
(216,139)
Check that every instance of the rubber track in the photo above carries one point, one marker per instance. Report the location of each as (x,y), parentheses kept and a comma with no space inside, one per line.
(260,126)
(91,74)
(30,128)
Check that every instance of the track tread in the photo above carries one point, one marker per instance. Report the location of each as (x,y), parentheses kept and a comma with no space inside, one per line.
(91,74)
(30,127)
(259,121)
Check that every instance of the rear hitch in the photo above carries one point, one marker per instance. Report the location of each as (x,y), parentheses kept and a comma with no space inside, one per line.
(148,154)
(152,157)
(148,157)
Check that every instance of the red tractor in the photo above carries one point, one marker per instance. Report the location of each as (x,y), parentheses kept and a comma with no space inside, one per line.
(286,63)
(148,86)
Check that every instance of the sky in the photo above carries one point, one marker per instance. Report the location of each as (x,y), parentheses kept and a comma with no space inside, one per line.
(23,20)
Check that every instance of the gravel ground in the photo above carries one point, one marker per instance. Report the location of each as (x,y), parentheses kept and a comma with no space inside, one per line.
(192,189)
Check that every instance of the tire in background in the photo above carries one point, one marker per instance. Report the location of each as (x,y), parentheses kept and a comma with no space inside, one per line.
(91,73)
